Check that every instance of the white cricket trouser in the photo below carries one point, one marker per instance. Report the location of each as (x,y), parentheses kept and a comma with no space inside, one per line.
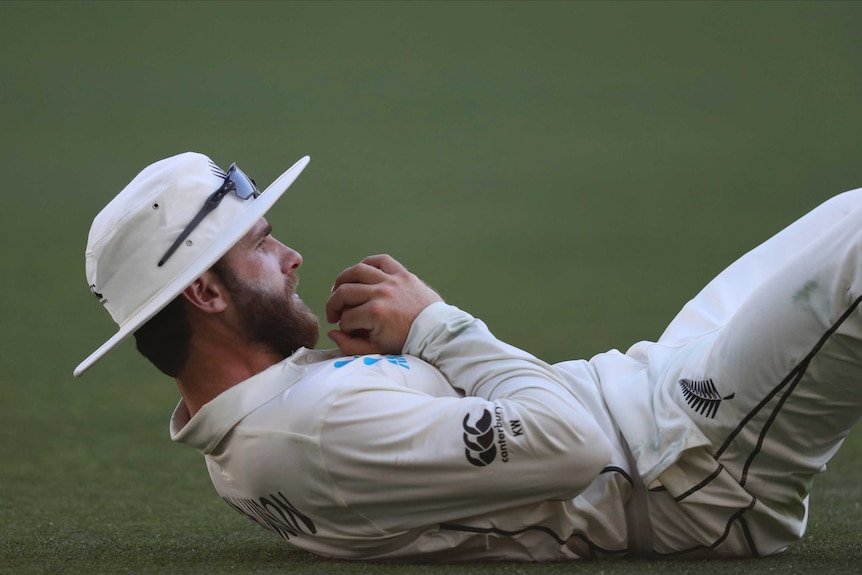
(769,366)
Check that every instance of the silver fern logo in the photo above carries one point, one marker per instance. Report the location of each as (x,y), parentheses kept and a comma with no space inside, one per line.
(216,171)
(702,396)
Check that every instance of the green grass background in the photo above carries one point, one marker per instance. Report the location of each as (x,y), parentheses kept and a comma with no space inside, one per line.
(571,172)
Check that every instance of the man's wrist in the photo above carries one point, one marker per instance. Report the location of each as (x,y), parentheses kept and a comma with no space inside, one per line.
(437,319)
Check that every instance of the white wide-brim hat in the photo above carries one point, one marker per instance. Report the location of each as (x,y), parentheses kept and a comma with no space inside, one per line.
(134,231)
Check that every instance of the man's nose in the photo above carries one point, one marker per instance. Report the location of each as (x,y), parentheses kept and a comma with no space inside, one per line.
(290,259)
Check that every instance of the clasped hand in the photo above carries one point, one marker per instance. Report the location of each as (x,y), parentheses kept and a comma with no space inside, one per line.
(374,304)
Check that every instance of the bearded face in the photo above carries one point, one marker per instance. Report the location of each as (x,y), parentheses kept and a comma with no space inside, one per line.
(276,319)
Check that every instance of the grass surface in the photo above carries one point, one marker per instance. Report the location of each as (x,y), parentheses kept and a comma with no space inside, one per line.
(570,172)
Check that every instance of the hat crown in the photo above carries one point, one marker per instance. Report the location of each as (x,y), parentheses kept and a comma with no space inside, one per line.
(135,229)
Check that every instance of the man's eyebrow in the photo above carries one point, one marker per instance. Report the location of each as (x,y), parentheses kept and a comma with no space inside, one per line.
(261,233)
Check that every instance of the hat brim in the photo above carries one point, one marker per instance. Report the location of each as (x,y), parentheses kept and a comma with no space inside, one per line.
(240,226)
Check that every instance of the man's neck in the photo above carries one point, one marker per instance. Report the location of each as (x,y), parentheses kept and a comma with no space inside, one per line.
(208,373)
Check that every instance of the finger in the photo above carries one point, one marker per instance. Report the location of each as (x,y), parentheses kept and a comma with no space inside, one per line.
(385,262)
(360,273)
(350,345)
(345,297)
(356,319)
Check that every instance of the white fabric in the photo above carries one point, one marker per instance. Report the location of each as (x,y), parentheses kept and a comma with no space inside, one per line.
(779,335)
(748,393)
(371,450)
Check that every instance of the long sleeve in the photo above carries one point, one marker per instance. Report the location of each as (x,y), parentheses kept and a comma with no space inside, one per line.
(399,458)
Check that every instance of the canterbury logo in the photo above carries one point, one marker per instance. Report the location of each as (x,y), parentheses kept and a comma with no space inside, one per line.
(702,396)
(479,439)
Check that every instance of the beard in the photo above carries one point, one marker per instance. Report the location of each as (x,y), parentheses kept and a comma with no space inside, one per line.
(277,320)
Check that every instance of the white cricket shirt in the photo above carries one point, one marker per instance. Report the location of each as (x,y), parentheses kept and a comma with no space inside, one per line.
(463,448)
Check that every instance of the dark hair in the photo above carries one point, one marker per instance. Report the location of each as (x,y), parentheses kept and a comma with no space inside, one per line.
(164,339)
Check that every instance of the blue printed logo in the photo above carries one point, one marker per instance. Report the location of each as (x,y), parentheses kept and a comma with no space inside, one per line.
(398,360)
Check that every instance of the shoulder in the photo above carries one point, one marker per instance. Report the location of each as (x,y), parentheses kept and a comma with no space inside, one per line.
(353,386)
(337,374)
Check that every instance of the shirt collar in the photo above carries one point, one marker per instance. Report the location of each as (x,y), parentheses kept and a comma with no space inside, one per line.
(216,418)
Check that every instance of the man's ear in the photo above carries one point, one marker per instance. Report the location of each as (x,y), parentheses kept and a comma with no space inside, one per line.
(207,294)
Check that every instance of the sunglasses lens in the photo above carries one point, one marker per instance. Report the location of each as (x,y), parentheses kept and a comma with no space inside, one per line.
(245,188)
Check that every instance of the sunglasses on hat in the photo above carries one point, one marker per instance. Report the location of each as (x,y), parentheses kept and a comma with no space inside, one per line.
(234,181)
